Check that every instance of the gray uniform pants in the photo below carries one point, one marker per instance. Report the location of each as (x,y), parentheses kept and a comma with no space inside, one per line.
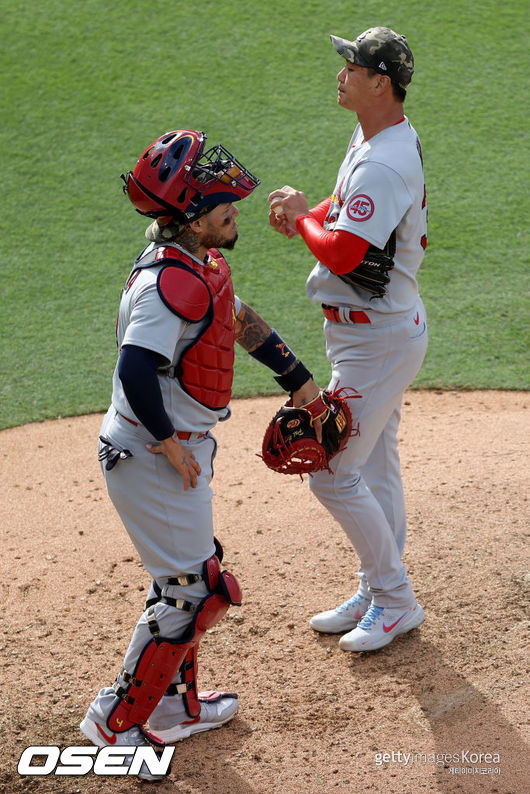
(172,530)
(364,492)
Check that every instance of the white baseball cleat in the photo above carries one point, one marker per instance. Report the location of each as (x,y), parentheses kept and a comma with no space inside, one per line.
(101,736)
(217,708)
(342,618)
(380,626)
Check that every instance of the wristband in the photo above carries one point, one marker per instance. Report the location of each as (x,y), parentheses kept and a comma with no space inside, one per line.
(294,380)
(274,353)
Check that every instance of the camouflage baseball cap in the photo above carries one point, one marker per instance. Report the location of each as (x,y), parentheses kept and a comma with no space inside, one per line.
(381,49)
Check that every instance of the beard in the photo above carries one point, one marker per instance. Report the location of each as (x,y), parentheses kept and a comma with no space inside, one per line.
(215,240)
(228,245)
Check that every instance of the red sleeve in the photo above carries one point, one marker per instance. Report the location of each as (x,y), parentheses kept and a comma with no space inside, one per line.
(339,251)
(321,210)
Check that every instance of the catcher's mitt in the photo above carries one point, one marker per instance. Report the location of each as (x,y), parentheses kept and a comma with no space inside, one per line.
(290,444)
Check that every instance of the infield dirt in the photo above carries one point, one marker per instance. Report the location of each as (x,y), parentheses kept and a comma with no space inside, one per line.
(313,719)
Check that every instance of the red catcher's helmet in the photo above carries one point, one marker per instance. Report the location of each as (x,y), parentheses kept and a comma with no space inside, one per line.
(174,178)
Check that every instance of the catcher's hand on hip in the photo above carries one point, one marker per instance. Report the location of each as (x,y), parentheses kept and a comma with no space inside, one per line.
(180,457)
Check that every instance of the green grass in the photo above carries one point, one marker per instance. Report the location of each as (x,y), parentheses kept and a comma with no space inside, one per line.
(90,84)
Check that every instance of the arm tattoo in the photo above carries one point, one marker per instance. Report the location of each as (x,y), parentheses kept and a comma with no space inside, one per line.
(251,329)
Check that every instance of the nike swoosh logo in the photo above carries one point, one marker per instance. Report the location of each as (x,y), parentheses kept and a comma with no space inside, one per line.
(417,318)
(109,739)
(386,629)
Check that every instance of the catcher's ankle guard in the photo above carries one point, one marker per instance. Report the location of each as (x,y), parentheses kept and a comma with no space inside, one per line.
(162,657)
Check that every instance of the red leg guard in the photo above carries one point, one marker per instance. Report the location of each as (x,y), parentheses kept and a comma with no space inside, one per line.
(188,673)
(156,667)
(162,657)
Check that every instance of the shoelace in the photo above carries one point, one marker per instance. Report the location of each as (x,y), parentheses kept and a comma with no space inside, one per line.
(351,602)
(371,616)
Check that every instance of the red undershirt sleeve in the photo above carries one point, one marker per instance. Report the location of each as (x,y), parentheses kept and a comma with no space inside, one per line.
(339,251)
(321,210)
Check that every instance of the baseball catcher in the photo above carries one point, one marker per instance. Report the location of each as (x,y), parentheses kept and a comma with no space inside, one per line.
(303,440)
(178,322)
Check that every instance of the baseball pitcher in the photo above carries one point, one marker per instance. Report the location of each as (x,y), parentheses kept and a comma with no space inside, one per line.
(369,237)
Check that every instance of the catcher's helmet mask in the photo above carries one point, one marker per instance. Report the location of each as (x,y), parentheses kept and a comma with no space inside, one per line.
(175,177)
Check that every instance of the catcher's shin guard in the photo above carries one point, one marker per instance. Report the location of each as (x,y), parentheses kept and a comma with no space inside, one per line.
(158,663)
(188,670)
(162,657)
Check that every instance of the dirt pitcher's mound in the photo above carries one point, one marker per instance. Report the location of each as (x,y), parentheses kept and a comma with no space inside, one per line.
(441,709)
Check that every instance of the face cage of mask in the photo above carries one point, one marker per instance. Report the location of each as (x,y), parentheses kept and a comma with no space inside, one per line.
(218,165)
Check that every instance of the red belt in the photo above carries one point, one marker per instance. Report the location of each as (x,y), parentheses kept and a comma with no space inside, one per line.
(131,421)
(181,434)
(187,436)
(332,313)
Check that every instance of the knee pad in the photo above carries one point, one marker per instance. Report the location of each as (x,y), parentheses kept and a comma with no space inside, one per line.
(209,575)
(162,657)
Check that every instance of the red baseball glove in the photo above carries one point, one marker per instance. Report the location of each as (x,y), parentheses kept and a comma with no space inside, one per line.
(290,444)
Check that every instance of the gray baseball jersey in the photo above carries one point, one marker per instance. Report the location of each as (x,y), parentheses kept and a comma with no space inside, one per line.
(380,188)
(146,322)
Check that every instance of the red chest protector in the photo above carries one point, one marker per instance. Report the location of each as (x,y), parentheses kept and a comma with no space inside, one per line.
(202,292)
